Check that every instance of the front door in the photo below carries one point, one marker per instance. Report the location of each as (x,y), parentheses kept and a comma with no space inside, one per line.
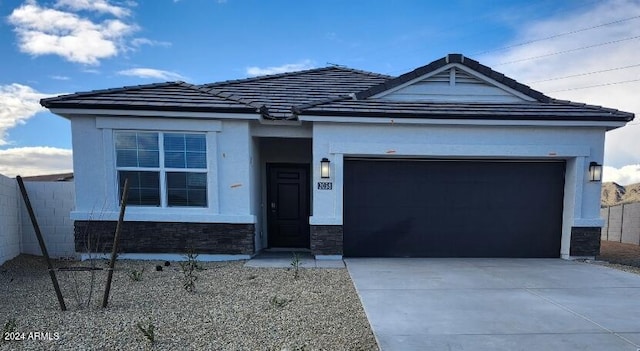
(288,205)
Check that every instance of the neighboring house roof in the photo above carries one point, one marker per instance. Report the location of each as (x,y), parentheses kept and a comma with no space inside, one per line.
(59,177)
(339,91)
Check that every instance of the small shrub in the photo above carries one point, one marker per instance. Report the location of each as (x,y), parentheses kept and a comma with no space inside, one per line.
(8,285)
(167,263)
(279,302)
(8,327)
(158,268)
(188,270)
(136,275)
(296,263)
(148,330)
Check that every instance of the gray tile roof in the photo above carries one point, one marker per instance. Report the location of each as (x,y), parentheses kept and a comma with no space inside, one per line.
(281,92)
(553,110)
(171,96)
(329,91)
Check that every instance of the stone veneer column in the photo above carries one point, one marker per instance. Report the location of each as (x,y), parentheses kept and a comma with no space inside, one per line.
(326,239)
(585,241)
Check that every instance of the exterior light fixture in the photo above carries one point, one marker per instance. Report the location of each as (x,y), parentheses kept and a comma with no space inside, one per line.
(595,172)
(325,170)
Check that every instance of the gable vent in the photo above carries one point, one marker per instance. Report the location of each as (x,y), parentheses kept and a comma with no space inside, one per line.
(442,77)
(462,77)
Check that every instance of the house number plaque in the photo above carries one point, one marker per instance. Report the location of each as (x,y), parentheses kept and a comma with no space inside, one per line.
(325,185)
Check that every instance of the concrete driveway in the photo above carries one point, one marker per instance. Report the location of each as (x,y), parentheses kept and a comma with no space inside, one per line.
(498,304)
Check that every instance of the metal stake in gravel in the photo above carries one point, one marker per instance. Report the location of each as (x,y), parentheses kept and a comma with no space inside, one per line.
(43,247)
(116,237)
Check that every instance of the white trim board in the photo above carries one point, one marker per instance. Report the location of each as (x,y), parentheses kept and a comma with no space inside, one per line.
(163,215)
(72,112)
(453,150)
(444,121)
(171,124)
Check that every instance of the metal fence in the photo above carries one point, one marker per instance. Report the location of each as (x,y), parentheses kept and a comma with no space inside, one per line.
(622,223)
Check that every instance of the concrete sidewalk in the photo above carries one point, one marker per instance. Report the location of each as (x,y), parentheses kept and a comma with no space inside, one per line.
(498,304)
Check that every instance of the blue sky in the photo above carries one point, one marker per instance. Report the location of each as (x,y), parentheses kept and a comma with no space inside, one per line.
(64,46)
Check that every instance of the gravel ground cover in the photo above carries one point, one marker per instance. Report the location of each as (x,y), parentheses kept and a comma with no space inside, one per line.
(625,257)
(620,253)
(233,308)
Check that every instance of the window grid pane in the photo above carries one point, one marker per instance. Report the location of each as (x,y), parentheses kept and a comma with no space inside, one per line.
(144,187)
(185,150)
(137,149)
(187,189)
(180,150)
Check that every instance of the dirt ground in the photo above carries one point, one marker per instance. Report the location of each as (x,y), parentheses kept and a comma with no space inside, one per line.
(625,254)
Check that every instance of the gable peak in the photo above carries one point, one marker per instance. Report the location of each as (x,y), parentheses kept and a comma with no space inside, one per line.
(470,72)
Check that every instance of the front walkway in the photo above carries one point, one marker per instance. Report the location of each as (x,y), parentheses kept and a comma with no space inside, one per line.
(284,259)
(498,304)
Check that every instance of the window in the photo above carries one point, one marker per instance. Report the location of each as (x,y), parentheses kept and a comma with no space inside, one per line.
(164,169)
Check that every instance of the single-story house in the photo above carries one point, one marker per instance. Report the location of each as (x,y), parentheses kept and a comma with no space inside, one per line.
(452,159)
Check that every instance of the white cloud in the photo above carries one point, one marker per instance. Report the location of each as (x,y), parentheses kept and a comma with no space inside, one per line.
(622,145)
(101,6)
(17,104)
(625,175)
(288,67)
(151,73)
(39,160)
(46,31)
(138,42)
(56,77)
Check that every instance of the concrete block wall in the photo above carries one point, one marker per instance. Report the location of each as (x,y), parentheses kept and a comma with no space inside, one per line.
(631,224)
(622,223)
(52,203)
(604,214)
(10,228)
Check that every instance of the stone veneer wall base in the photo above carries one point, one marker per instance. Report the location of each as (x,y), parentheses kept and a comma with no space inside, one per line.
(166,237)
(326,239)
(585,241)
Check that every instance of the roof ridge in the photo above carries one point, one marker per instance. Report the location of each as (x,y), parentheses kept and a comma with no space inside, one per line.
(45,101)
(299,108)
(293,73)
(368,73)
(221,94)
(266,76)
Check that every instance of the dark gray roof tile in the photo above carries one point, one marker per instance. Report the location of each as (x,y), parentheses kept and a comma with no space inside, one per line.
(556,110)
(328,91)
(160,96)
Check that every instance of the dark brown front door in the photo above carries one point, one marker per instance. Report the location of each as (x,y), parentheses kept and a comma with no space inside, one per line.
(288,205)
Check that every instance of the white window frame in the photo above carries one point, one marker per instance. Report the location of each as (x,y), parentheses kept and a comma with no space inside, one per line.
(162,169)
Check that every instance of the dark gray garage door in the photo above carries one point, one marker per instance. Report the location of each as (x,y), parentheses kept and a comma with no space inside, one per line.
(458,208)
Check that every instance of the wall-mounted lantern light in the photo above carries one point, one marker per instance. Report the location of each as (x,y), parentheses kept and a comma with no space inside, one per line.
(325,171)
(595,172)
